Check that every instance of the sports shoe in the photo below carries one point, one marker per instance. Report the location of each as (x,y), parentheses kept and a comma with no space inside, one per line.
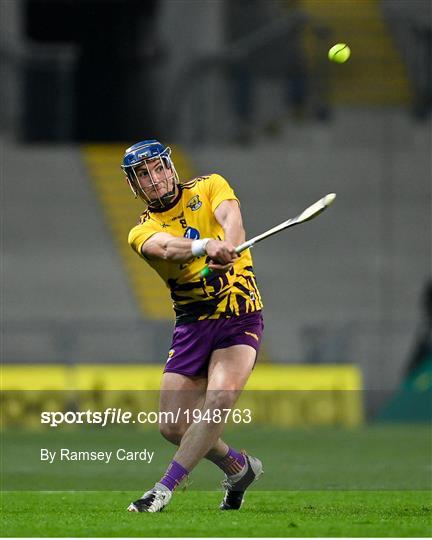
(154,500)
(235,486)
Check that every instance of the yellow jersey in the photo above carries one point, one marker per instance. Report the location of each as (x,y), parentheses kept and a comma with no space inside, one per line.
(191,215)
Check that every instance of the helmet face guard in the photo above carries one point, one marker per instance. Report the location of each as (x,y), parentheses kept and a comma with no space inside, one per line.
(140,156)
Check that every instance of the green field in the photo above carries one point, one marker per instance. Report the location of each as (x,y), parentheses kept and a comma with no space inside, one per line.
(370,481)
(193,513)
(372,458)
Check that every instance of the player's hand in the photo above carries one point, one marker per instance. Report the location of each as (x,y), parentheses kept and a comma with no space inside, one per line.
(221,252)
(219,268)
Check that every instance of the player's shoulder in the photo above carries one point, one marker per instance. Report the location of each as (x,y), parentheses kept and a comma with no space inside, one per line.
(144,217)
(143,220)
(143,224)
(203,181)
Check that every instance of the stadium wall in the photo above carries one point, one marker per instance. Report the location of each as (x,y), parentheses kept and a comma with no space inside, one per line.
(285,396)
(344,288)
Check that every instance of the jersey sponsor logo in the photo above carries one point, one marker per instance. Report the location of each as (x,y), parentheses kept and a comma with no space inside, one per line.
(253,335)
(194,204)
(192,233)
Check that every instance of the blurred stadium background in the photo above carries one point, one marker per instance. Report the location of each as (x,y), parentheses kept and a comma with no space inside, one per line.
(242,88)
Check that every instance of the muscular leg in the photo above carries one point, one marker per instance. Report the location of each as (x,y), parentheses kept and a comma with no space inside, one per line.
(179,392)
(229,370)
(184,393)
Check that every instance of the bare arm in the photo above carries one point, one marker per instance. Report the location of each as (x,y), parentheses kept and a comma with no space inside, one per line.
(167,247)
(223,254)
(229,216)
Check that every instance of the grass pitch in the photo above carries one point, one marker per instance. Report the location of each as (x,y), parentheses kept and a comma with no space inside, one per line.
(192,513)
(370,482)
(370,458)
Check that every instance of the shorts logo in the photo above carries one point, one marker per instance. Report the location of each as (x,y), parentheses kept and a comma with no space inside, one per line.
(194,203)
(170,355)
(253,335)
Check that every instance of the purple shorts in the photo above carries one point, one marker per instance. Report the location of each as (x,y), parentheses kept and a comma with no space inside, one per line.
(193,343)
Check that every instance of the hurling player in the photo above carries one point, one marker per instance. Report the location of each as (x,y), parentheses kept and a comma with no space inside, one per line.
(218,319)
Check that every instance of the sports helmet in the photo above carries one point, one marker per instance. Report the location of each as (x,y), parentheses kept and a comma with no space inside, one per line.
(142,153)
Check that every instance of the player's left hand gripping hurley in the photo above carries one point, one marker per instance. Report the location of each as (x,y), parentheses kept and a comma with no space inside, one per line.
(310,213)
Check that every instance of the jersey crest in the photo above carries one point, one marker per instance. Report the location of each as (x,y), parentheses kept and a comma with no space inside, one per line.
(195,203)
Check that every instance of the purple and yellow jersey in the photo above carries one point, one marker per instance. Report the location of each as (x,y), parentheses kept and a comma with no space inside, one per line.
(191,215)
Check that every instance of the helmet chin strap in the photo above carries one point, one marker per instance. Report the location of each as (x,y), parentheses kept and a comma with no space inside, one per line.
(163,201)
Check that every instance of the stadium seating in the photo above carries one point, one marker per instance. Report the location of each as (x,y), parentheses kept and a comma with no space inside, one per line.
(342,288)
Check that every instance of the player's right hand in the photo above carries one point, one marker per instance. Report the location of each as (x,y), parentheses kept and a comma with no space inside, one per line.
(221,252)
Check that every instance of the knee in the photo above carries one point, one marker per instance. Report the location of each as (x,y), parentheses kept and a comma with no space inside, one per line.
(220,399)
(172,432)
